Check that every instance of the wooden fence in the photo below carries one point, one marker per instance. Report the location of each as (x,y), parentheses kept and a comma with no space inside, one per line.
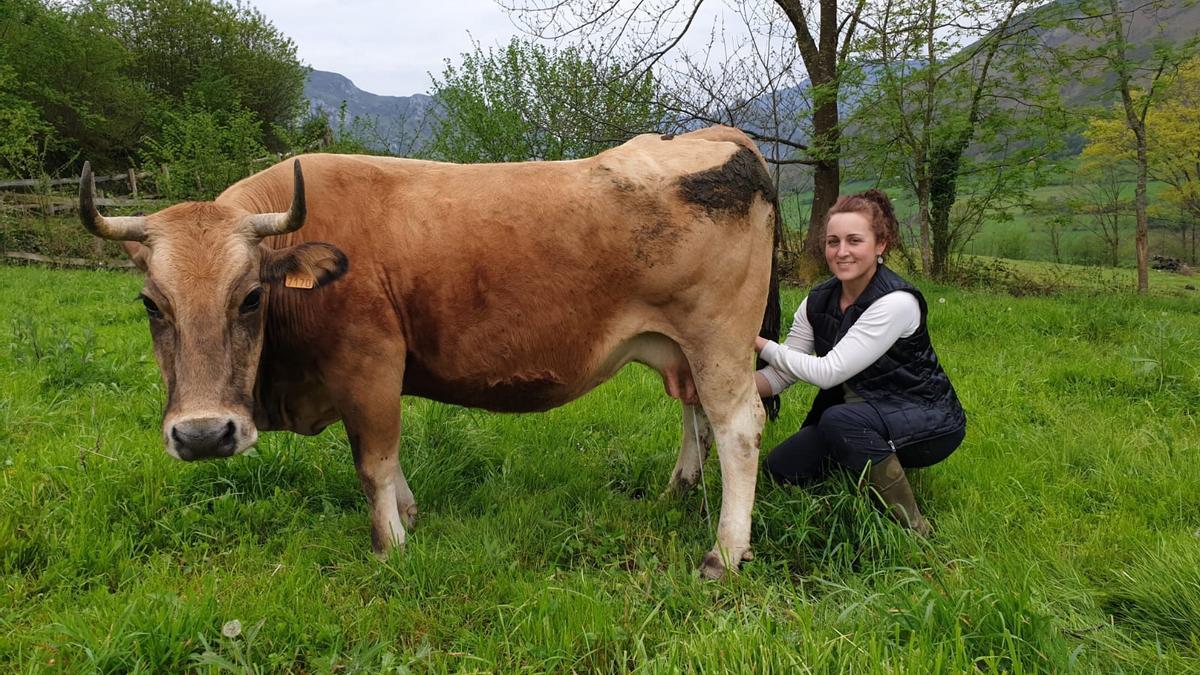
(130,176)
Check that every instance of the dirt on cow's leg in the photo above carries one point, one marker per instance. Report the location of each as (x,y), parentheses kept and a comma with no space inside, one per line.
(737,419)
(697,440)
(406,504)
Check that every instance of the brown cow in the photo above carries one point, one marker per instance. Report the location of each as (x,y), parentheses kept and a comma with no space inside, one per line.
(513,287)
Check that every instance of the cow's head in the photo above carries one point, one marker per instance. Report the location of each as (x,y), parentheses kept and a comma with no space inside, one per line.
(208,281)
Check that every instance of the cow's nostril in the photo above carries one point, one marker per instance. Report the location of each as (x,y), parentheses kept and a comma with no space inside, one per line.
(201,437)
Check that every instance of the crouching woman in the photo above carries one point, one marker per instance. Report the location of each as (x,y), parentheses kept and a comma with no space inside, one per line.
(885,402)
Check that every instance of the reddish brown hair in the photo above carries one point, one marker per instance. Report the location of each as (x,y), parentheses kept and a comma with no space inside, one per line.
(875,206)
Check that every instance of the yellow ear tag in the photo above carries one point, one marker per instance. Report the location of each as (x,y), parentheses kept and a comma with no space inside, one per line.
(299,281)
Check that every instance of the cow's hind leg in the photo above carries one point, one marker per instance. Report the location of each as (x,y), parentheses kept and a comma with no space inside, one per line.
(726,389)
(693,451)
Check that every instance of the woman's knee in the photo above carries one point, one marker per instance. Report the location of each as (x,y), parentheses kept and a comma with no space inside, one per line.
(799,458)
(853,435)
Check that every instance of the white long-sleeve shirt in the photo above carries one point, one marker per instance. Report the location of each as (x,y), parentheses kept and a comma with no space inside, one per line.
(891,317)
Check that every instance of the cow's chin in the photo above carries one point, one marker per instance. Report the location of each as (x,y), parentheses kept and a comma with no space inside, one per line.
(208,436)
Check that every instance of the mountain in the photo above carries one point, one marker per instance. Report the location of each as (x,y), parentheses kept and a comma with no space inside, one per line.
(1176,23)
(399,124)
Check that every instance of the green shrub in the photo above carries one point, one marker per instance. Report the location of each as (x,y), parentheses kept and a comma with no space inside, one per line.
(1011,244)
(202,152)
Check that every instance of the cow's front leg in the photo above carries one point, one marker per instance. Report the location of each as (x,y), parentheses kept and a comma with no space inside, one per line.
(374,443)
(370,408)
(693,451)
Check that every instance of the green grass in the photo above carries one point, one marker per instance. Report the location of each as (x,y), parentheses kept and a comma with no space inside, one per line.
(1068,524)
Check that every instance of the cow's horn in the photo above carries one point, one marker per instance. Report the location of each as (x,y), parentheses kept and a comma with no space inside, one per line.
(124,228)
(268,224)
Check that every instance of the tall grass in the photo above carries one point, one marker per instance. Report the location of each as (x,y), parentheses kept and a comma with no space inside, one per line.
(1068,524)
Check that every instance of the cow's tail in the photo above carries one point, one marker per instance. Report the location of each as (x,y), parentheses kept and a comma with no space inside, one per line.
(773,313)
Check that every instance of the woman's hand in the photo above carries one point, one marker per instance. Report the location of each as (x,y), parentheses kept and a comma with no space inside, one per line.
(760,343)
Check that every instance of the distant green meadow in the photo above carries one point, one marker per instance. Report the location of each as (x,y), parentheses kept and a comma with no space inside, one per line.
(1022,233)
(1067,525)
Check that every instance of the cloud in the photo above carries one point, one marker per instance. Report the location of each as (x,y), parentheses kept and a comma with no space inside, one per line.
(387,47)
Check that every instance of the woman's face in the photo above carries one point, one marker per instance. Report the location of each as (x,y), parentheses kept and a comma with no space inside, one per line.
(851,247)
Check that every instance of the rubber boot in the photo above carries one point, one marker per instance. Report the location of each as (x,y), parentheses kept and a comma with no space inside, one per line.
(888,479)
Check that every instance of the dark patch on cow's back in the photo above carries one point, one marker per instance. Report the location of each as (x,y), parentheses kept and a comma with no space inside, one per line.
(624,186)
(730,187)
(654,234)
(655,241)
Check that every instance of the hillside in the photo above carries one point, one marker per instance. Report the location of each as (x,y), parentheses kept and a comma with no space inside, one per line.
(1177,22)
(401,122)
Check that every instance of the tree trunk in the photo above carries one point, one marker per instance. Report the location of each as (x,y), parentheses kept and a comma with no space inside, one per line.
(825,147)
(943,192)
(827,180)
(923,219)
(1143,227)
(820,55)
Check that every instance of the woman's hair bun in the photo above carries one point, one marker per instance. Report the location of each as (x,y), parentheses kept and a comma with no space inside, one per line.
(880,198)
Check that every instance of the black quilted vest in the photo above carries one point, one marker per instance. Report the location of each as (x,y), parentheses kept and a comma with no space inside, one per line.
(907,385)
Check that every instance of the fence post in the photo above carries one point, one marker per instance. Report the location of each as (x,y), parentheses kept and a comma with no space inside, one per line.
(133,182)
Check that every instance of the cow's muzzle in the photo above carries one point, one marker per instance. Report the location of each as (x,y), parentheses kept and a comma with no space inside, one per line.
(205,438)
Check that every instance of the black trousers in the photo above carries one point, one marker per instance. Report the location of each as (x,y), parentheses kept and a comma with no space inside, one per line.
(849,436)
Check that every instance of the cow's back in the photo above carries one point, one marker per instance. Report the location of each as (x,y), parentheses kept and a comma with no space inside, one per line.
(511,285)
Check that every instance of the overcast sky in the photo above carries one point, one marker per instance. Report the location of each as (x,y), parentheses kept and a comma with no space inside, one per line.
(389,47)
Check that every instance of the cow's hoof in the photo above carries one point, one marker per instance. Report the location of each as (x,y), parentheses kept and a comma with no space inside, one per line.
(408,516)
(712,567)
(678,486)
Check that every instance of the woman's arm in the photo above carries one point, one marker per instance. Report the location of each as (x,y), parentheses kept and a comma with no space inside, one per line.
(888,319)
(769,380)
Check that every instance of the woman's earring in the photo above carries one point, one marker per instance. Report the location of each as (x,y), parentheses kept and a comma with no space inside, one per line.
(879,259)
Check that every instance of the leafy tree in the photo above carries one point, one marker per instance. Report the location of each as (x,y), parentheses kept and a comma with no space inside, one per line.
(952,92)
(205,152)
(1139,79)
(66,64)
(23,134)
(1173,151)
(220,55)
(102,74)
(527,101)
(1099,195)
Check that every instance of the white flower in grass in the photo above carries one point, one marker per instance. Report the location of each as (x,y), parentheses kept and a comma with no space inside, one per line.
(232,629)
(941,301)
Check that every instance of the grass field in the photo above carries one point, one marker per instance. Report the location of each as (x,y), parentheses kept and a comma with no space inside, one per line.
(1068,524)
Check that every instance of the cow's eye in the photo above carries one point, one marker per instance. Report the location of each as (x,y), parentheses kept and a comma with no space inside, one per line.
(152,309)
(252,301)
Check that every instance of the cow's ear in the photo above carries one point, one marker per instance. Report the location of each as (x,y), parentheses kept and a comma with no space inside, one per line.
(304,265)
(139,253)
